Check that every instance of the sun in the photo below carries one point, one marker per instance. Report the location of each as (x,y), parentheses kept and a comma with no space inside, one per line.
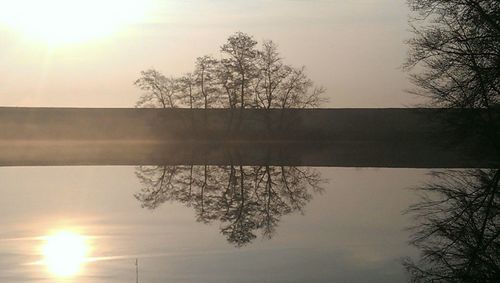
(63,21)
(64,253)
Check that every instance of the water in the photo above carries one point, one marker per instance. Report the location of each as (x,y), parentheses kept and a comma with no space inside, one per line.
(351,231)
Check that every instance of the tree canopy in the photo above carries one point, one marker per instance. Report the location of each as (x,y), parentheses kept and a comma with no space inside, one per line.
(244,200)
(456,52)
(243,76)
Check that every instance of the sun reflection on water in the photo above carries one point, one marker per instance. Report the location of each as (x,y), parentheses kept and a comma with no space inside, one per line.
(65,252)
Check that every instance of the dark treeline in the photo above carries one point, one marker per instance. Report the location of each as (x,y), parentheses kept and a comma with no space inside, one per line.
(245,200)
(243,76)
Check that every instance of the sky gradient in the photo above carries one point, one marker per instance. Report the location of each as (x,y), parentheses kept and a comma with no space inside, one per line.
(353,48)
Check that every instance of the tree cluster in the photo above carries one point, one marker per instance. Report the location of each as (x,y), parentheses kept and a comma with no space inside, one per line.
(243,199)
(245,76)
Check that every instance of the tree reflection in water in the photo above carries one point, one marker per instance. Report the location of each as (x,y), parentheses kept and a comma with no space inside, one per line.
(244,199)
(458,228)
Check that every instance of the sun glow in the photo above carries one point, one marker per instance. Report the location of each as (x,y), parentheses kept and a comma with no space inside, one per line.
(62,21)
(64,253)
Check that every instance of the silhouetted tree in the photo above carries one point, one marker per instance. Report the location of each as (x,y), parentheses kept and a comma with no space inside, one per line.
(240,55)
(457,50)
(161,183)
(456,55)
(281,86)
(458,228)
(243,199)
(159,91)
(243,77)
(206,80)
(187,90)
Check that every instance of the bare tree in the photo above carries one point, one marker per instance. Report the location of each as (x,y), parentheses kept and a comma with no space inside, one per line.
(187,90)
(206,80)
(455,54)
(240,55)
(298,91)
(228,85)
(242,199)
(282,86)
(244,77)
(458,228)
(160,91)
(272,74)
(161,183)
(456,49)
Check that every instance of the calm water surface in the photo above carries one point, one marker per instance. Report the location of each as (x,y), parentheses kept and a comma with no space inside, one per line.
(352,231)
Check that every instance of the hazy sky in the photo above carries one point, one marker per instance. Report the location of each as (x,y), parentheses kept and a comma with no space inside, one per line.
(354,48)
